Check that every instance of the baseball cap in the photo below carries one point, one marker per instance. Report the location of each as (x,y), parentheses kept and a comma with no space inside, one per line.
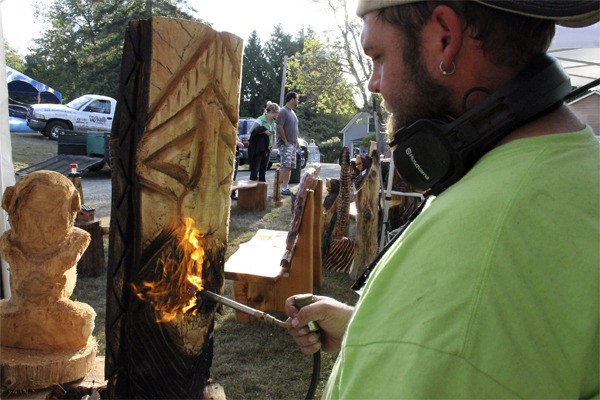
(569,13)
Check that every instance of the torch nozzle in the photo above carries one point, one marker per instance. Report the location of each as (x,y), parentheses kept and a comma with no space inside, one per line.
(207,294)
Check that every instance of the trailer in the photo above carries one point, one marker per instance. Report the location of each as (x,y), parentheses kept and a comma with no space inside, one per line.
(89,150)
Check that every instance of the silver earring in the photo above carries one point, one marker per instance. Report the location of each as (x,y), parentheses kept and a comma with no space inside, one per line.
(446,73)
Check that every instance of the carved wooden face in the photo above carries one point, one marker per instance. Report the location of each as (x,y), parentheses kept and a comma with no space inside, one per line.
(41,209)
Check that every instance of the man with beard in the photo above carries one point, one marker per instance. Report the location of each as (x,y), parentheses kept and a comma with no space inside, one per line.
(492,291)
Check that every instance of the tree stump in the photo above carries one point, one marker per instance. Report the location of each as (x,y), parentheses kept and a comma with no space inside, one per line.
(92,264)
(253,198)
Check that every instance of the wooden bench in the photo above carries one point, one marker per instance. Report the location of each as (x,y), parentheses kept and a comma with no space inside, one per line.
(274,265)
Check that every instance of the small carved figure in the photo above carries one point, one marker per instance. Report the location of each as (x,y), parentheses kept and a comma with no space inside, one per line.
(42,248)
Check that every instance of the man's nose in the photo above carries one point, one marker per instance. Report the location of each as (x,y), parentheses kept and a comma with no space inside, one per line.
(374,84)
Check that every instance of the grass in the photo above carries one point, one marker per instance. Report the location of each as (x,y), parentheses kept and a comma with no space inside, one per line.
(255,360)
(30,149)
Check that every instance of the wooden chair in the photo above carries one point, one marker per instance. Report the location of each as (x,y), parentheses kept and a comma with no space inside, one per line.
(274,265)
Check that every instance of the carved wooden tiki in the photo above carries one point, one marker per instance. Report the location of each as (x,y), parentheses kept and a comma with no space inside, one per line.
(172,159)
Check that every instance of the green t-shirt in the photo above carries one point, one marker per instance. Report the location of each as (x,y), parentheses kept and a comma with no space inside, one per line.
(262,120)
(493,291)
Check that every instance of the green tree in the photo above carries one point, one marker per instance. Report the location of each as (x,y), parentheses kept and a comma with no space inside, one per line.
(345,42)
(316,75)
(280,44)
(81,50)
(326,99)
(13,58)
(254,77)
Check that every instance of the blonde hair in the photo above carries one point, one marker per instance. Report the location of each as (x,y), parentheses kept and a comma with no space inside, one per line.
(271,107)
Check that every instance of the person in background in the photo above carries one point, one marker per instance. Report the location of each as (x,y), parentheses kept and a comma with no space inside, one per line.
(492,291)
(313,152)
(261,142)
(287,140)
(238,145)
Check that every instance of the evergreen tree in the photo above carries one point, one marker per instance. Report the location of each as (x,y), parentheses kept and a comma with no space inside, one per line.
(280,44)
(254,76)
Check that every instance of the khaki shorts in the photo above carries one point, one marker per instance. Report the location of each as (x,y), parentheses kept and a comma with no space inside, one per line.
(287,155)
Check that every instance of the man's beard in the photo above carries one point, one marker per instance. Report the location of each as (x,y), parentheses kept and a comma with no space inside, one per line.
(422,98)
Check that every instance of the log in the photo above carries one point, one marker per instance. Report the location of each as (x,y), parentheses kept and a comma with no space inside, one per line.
(28,369)
(277,200)
(367,218)
(91,263)
(172,159)
(330,201)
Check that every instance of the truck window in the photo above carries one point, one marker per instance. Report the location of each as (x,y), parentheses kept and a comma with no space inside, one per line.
(99,106)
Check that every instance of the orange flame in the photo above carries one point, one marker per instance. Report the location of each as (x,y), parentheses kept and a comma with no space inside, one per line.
(175,294)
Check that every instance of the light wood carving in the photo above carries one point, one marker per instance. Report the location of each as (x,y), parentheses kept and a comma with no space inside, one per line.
(173,150)
(367,218)
(341,248)
(45,337)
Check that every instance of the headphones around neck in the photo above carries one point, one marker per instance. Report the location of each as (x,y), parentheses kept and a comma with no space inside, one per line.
(432,154)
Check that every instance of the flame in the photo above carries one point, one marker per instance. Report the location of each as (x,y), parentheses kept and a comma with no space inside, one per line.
(175,293)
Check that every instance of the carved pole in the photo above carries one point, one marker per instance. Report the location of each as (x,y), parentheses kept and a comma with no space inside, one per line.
(341,249)
(172,156)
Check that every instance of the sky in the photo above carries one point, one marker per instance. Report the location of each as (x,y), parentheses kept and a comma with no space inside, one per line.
(240,17)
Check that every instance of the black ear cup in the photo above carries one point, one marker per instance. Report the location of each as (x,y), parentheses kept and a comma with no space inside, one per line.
(435,153)
(423,159)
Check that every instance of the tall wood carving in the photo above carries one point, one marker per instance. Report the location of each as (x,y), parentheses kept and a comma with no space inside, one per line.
(340,252)
(367,218)
(172,157)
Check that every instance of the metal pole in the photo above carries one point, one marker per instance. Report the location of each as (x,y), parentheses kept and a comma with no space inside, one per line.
(378,136)
(283,78)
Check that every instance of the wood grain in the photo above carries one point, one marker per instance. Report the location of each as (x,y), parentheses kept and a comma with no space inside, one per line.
(172,155)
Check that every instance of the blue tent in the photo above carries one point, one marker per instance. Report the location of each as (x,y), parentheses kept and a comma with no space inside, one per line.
(21,85)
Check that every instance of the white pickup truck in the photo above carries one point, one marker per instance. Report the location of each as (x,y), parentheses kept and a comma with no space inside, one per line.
(88,113)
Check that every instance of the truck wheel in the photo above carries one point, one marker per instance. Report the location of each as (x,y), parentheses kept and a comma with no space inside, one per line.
(303,158)
(54,128)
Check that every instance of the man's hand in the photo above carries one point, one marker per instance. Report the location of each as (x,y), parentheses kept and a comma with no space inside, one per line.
(332,317)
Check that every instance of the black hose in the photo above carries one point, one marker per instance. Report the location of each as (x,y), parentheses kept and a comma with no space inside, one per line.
(316,375)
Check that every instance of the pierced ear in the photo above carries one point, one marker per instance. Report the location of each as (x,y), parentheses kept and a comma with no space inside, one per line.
(9,200)
(450,29)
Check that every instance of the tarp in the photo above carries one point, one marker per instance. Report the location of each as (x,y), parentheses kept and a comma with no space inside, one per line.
(18,125)
(21,84)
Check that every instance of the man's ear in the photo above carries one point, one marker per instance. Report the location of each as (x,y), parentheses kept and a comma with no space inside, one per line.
(448,34)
